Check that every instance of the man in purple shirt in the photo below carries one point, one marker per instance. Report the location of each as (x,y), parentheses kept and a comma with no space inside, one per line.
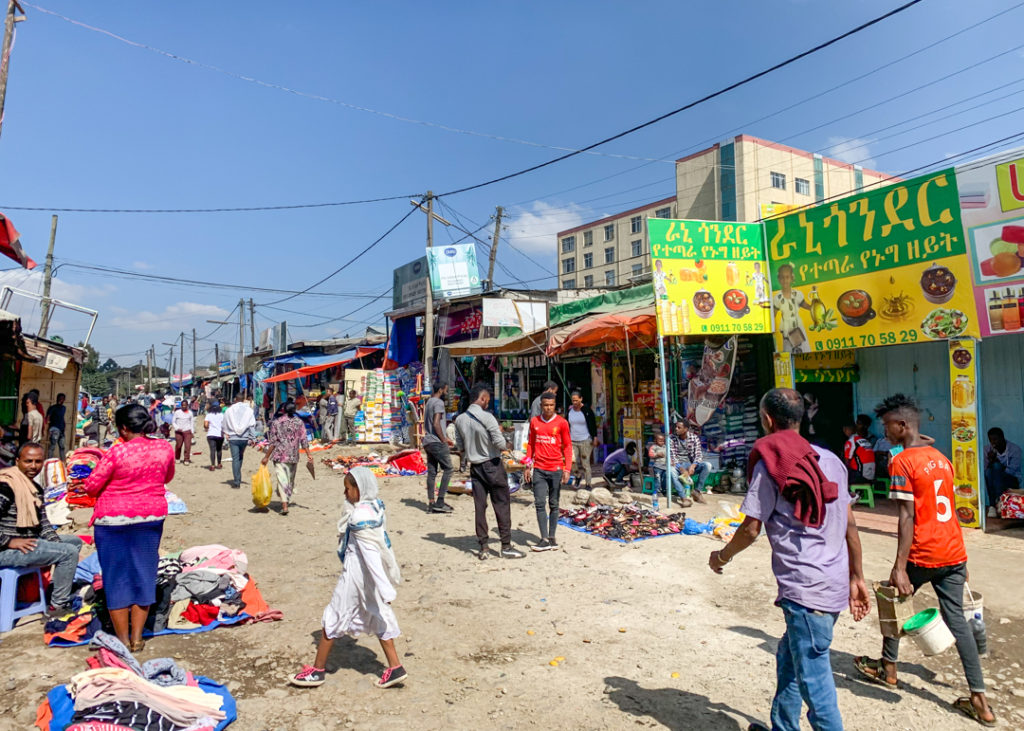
(816,559)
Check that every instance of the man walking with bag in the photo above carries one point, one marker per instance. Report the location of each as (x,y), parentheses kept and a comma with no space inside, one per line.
(799,493)
(479,438)
(238,420)
(930,549)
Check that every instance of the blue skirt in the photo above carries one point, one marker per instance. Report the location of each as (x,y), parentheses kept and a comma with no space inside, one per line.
(129,555)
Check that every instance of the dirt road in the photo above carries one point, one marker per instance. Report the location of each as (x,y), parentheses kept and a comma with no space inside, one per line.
(648,634)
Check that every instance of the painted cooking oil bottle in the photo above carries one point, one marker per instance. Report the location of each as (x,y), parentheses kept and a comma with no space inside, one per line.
(817,308)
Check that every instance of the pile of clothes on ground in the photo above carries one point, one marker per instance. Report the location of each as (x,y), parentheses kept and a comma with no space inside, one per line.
(199,589)
(406,463)
(119,694)
(625,523)
(80,464)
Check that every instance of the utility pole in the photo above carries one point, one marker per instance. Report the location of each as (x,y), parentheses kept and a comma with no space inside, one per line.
(216,357)
(252,325)
(149,368)
(181,370)
(241,336)
(494,249)
(44,322)
(193,358)
(428,323)
(5,51)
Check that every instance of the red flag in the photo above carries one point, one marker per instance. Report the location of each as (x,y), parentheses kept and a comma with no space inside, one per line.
(10,243)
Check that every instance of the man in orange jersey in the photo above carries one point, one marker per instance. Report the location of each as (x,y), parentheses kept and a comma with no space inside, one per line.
(930,548)
(549,449)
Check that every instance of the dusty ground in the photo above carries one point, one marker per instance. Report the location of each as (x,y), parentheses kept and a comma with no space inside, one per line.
(479,636)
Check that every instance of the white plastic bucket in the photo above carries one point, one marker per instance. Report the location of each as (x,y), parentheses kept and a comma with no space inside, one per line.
(973,605)
(929,632)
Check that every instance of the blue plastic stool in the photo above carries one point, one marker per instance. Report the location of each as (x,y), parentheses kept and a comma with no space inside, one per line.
(9,610)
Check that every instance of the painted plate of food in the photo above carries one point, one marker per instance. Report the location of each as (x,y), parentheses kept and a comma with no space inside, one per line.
(967,492)
(942,324)
(854,306)
(966,515)
(938,284)
(964,434)
(703,303)
(736,303)
(961,358)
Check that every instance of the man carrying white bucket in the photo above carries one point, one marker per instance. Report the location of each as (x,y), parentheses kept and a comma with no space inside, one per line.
(930,548)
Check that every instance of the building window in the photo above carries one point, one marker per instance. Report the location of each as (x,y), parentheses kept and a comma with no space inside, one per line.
(778,181)
(568,244)
(569,265)
(569,284)
(637,247)
(609,277)
(638,269)
(588,260)
(609,232)
(665,212)
(609,255)
(588,238)
(588,281)
(803,187)
(636,225)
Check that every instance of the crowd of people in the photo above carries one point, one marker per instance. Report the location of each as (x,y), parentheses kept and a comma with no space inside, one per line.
(799,497)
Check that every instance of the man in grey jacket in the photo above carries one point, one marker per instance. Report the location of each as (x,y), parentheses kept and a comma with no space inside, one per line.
(479,438)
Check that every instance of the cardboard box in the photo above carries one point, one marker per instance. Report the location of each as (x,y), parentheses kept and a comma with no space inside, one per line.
(893,611)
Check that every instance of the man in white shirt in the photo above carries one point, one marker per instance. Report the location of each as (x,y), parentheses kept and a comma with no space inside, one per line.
(238,420)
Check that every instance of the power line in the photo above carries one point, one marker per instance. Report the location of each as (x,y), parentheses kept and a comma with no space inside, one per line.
(354,258)
(690,105)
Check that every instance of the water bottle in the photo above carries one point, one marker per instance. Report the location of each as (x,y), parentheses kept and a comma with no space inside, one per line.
(977,625)
(654,502)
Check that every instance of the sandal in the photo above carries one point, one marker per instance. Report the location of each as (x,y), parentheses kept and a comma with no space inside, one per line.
(138,646)
(967,708)
(874,670)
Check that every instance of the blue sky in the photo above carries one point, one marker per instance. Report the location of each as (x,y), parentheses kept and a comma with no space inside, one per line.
(92,121)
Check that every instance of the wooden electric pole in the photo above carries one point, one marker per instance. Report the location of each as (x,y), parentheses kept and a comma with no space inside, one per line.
(241,338)
(150,357)
(428,320)
(5,51)
(252,326)
(216,357)
(494,248)
(44,322)
(193,358)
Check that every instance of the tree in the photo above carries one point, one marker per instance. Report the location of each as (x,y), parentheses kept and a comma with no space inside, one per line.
(109,366)
(92,358)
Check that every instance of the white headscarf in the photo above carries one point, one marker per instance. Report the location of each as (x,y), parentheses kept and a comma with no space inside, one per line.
(366,521)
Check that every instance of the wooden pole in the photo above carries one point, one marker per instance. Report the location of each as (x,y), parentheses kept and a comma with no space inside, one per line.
(494,249)
(44,322)
(428,322)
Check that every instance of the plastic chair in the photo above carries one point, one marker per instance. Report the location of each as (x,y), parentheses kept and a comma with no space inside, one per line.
(865,494)
(882,486)
(9,610)
(650,485)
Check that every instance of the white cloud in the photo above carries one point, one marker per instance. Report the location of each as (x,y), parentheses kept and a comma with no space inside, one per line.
(141,265)
(534,230)
(172,318)
(853,150)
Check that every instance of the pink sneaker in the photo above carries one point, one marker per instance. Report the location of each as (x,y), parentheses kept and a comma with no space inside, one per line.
(309,677)
(392,676)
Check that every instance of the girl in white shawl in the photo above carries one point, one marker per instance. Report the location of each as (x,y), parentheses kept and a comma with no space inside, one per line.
(361,603)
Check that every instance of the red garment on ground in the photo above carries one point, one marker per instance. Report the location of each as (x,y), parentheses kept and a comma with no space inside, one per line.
(793,465)
(549,444)
(202,614)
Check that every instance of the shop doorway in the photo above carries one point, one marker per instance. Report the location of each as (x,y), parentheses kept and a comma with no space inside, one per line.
(835,408)
(576,376)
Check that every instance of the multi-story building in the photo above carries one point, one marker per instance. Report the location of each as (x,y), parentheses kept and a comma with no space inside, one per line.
(743,179)
(610,251)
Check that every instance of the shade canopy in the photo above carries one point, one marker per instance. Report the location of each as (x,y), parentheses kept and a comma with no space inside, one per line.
(317,363)
(634,327)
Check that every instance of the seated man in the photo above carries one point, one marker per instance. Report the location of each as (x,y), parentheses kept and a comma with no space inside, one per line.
(1002,468)
(26,536)
(688,457)
(619,463)
(656,453)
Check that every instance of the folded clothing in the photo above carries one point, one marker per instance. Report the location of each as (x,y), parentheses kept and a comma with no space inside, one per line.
(203,614)
(126,714)
(182,705)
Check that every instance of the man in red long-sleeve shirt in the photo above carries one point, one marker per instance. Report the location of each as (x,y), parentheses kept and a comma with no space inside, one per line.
(550,449)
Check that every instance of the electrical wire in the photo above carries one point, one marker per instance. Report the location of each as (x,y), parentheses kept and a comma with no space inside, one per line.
(690,105)
(354,258)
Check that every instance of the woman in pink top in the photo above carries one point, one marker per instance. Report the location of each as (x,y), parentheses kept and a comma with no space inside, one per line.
(128,520)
